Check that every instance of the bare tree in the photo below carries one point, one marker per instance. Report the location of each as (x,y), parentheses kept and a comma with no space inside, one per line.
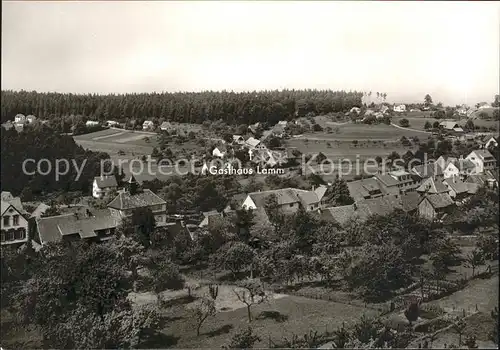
(251,293)
(204,308)
(459,327)
(474,259)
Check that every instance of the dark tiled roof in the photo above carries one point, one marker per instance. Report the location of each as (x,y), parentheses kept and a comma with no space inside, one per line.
(457,186)
(410,201)
(145,198)
(52,228)
(363,209)
(283,196)
(106,181)
(428,170)
(432,186)
(387,180)
(441,200)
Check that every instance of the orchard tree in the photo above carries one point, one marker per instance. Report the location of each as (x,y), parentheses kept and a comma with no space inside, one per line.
(251,292)
(474,259)
(427,125)
(203,309)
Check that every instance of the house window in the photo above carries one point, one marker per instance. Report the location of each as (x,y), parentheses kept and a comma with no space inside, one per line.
(9,235)
(291,205)
(15,220)
(20,234)
(2,236)
(6,220)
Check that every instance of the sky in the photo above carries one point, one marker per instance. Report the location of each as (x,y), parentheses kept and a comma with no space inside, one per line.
(405,49)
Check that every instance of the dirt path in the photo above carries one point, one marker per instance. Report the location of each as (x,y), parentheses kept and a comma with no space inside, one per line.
(400,127)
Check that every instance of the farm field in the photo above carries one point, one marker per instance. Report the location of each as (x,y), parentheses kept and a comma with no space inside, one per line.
(419,122)
(360,131)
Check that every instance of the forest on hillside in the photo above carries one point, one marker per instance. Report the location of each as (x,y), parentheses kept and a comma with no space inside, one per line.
(188,107)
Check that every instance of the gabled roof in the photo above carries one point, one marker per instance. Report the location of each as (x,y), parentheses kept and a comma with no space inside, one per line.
(464,164)
(287,196)
(8,200)
(238,138)
(320,191)
(252,142)
(387,180)
(165,125)
(53,228)
(459,187)
(39,210)
(106,181)
(409,201)
(363,209)
(449,125)
(483,154)
(428,170)
(439,201)
(432,186)
(145,198)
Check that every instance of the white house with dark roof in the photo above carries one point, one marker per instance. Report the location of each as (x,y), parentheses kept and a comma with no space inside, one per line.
(430,169)
(483,160)
(133,197)
(289,199)
(492,142)
(103,186)
(91,123)
(399,108)
(14,226)
(238,140)
(458,168)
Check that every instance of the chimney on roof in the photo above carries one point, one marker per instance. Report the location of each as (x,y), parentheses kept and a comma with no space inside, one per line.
(313,188)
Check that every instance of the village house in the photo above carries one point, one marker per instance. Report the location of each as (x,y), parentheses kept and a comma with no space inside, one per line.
(363,209)
(270,158)
(238,140)
(430,169)
(289,199)
(19,119)
(134,197)
(356,110)
(95,225)
(102,186)
(366,188)
(30,119)
(435,207)
(459,190)
(254,128)
(484,105)
(459,168)
(451,126)
(406,182)
(492,142)
(431,186)
(219,152)
(483,160)
(91,123)
(148,125)
(166,126)
(399,108)
(15,225)
(488,178)
(384,109)
(112,123)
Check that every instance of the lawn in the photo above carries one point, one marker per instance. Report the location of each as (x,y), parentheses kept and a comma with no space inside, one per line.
(299,315)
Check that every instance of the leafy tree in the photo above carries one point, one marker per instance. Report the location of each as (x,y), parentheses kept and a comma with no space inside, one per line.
(251,292)
(244,223)
(446,253)
(243,339)
(129,253)
(428,100)
(469,125)
(474,259)
(165,275)
(496,102)
(470,342)
(494,333)
(234,256)
(203,309)
(412,312)
(378,159)
(487,244)
(338,193)
(435,125)
(272,208)
(404,123)
(140,226)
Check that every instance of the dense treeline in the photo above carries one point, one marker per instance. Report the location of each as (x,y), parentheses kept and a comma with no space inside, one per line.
(231,107)
(41,142)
